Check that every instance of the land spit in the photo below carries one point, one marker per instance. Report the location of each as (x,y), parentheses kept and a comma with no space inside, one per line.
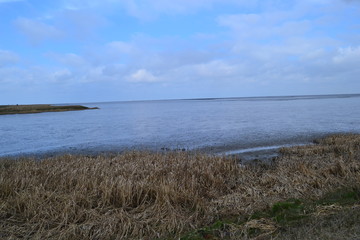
(141,195)
(39,108)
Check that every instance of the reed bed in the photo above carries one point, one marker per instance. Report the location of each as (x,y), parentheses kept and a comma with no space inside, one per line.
(142,195)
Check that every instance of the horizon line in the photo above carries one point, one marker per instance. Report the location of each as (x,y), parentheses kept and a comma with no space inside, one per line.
(203,98)
(224,98)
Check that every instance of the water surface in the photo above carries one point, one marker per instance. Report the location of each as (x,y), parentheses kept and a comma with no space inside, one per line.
(212,125)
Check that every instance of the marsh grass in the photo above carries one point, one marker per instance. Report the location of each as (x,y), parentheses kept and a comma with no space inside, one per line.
(141,195)
(334,216)
(38,108)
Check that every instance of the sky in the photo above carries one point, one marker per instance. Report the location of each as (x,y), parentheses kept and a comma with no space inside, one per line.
(76,51)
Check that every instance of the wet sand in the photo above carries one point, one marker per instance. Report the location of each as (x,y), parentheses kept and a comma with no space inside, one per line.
(245,153)
(265,154)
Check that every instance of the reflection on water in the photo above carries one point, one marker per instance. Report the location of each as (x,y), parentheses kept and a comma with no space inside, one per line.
(214,125)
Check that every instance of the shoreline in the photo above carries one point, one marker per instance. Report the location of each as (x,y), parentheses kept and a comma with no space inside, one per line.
(243,155)
(244,152)
(40,108)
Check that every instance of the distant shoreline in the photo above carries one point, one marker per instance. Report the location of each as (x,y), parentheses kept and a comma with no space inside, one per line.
(39,108)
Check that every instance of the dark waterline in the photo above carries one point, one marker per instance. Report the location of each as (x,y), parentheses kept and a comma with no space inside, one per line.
(225,125)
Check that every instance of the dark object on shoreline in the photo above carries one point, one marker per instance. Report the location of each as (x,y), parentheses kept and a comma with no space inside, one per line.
(39,108)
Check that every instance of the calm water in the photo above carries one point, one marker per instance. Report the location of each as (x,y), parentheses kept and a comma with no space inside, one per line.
(213,125)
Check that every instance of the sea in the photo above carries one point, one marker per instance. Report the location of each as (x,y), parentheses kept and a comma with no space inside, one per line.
(213,125)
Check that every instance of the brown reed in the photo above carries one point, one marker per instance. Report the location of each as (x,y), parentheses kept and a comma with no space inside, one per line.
(142,195)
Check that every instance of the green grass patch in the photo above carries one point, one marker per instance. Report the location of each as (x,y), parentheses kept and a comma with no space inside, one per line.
(215,231)
(341,197)
(289,213)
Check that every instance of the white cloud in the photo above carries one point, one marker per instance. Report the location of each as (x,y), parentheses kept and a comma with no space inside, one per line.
(142,76)
(121,47)
(114,70)
(10,75)
(81,4)
(276,35)
(90,67)
(71,60)
(7,1)
(264,48)
(37,31)
(80,24)
(8,58)
(24,76)
(149,9)
(239,21)
(62,75)
(348,55)
(352,1)
(215,69)
(264,26)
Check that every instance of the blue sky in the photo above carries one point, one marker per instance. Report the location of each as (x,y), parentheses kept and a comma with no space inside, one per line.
(112,50)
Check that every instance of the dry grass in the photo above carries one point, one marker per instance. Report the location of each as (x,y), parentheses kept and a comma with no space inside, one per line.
(141,195)
(38,108)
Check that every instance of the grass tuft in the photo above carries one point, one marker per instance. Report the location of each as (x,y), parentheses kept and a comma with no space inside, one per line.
(290,210)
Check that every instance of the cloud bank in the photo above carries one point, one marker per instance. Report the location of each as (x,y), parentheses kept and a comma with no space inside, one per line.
(158,49)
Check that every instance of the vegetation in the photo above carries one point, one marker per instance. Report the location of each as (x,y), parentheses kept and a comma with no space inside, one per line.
(335,216)
(140,195)
(38,108)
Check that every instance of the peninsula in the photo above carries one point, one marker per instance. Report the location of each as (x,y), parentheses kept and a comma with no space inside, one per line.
(39,108)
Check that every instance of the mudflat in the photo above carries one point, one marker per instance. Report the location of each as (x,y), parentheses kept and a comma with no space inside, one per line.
(39,108)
